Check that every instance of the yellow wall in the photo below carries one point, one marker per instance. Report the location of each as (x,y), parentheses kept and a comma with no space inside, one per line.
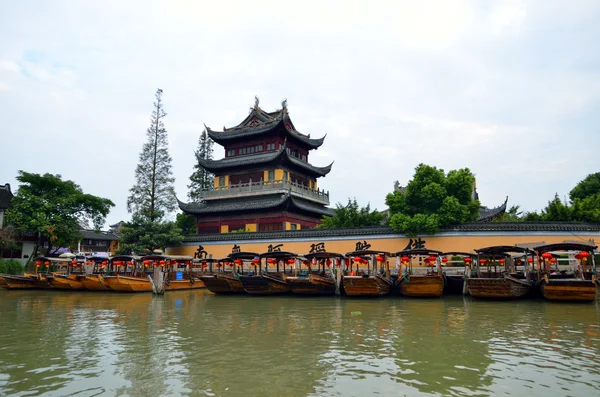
(251,227)
(226,180)
(266,175)
(462,242)
(288,226)
(278,174)
(217,180)
(224,228)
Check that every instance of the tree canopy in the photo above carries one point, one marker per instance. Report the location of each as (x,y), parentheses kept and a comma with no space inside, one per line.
(201,179)
(54,209)
(153,194)
(431,200)
(352,215)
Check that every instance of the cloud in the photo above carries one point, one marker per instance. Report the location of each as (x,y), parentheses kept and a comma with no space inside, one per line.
(508,89)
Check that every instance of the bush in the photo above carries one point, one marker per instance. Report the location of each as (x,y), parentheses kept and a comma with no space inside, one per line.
(10,266)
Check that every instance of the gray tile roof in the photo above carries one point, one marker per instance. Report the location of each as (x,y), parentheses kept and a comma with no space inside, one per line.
(5,196)
(487,214)
(566,227)
(278,156)
(253,204)
(94,235)
(266,122)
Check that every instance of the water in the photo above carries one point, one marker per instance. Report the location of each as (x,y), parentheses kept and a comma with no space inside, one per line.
(198,344)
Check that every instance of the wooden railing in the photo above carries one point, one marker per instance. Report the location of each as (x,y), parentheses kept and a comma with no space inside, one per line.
(261,187)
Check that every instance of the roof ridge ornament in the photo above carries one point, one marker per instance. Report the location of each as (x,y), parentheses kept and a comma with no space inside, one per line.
(256,101)
(284,105)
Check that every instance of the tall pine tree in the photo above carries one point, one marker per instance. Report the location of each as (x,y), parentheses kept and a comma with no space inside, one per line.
(153,194)
(201,179)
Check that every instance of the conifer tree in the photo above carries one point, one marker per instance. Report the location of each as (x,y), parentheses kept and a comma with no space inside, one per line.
(153,195)
(201,179)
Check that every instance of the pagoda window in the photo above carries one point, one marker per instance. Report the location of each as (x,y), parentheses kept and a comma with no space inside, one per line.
(259,148)
(231,153)
(303,157)
(285,175)
(270,146)
(271,175)
(251,149)
(222,181)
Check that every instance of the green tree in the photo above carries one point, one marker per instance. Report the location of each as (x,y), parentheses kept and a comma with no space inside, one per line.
(54,209)
(153,194)
(585,199)
(352,215)
(514,214)
(557,211)
(588,187)
(201,179)
(142,235)
(433,200)
(187,224)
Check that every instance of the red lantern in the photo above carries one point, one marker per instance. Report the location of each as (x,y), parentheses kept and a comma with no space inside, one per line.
(73,262)
(379,258)
(405,259)
(162,262)
(228,263)
(218,265)
(363,261)
(47,263)
(482,261)
(174,263)
(584,254)
(290,261)
(427,260)
(467,259)
(204,266)
(546,255)
(432,258)
(530,260)
(553,260)
(519,261)
(104,263)
(445,260)
(255,261)
(271,261)
(38,263)
(328,262)
(357,259)
(238,262)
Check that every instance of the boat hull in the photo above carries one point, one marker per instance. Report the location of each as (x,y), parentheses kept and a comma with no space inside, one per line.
(454,284)
(93,282)
(25,282)
(422,286)
(366,286)
(128,284)
(569,290)
(312,285)
(66,282)
(498,288)
(222,284)
(176,285)
(265,285)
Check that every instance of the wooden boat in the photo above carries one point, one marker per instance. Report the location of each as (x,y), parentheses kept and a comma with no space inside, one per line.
(179,274)
(126,275)
(321,283)
(580,285)
(37,281)
(66,281)
(370,283)
(93,282)
(223,283)
(3,283)
(454,282)
(266,282)
(97,267)
(428,285)
(505,284)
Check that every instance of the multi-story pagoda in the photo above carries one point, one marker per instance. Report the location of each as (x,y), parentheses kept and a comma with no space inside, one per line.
(265,181)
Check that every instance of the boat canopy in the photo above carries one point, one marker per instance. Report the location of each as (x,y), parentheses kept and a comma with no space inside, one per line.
(565,247)
(419,251)
(368,252)
(503,250)
(124,258)
(323,255)
(279,255)
(59,260)
(241,255)
(457,253)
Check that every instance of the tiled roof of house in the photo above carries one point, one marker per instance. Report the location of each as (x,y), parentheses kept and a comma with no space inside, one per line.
(5,196)
(94,235)
(384,230)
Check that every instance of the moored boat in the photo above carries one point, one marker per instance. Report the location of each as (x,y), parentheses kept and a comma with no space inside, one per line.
(578,284)
(321,282)
(454,271)
(504,284)
(267,282)
(180,274)
(67,275)
(126,274)
(424,285)
(222,281)
(372,281)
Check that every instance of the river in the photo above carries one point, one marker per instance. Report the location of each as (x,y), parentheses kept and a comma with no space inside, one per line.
(198,344)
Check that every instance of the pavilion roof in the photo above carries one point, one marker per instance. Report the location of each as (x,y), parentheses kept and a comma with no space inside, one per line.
(260,122)
(278,156)
(273,201)
(5,196)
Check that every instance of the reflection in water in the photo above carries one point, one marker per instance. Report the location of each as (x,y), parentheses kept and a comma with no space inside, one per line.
(194,343)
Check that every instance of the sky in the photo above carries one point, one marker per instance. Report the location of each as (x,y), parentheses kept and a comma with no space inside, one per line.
(509,89)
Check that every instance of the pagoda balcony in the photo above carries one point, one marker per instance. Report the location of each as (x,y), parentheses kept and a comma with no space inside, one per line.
(261,188)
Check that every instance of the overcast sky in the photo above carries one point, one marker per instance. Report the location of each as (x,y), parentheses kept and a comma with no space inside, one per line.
(510,89)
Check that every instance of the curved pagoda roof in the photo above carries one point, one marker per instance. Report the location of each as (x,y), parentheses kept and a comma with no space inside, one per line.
(269,202)
(280,156)
(260,122)
(488,214)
